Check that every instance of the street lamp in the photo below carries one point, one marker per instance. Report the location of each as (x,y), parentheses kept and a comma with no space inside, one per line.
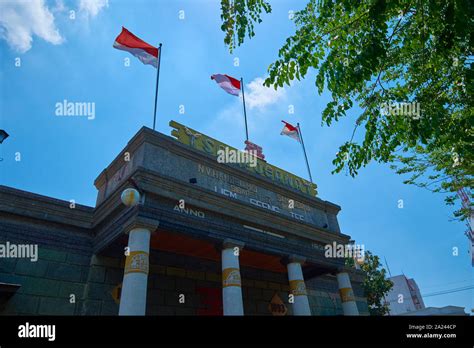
(3,135)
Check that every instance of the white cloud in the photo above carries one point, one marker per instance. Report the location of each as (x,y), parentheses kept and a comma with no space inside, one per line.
(259,100)
(264,107)
(259,97)
(92,7)
(59,6)
(20,20)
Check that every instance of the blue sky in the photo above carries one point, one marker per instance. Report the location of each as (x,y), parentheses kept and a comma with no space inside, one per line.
(73,59)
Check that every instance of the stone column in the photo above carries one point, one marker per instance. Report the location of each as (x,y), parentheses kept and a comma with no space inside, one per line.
(297,286)
(349,305)
(231,281)
(135,278)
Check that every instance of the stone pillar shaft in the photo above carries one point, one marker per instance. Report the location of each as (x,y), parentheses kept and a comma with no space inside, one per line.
(231,281)
(349,305)
(298,289)
(135,278)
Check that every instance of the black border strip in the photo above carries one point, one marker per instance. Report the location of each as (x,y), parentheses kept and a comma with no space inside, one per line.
(135,331)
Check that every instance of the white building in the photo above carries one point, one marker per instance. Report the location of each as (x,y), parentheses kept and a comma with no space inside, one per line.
(446,310)
(404,297)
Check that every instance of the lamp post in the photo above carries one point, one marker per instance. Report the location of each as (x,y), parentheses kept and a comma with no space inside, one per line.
(3,136)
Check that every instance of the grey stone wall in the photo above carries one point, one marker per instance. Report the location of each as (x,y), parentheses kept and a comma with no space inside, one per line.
(46,287)
(105,273)
(47,284)
(324,296)
(172,275)
(61,270)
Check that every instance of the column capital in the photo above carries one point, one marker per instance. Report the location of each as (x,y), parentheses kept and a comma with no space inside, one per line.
(343,269)
(141,222)
(293,258)
(232,243)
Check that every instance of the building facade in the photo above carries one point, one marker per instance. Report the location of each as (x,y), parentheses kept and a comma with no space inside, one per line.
(446,310)
(404,296)
(204,238)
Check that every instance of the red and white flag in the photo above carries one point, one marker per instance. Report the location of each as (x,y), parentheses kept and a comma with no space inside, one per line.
(147,53)
(291,131)
(227,83)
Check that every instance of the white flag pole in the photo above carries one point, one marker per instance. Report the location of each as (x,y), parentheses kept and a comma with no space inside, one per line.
(157,81)
(245,112)
(304,151)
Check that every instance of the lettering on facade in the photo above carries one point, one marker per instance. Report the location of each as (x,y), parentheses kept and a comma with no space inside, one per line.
(190,212)
(228,193)
(211,147)
(297,216)
(290,203)
(233,187)
(240,187)
(264,205)
(233,181)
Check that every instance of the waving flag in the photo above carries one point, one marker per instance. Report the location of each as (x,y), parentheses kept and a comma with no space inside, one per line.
(291,131)
(147,53)
(295,133)
(227,83)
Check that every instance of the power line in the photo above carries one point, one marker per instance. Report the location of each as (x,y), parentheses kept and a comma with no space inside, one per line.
(444,284)
(388,268)
(449,291)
